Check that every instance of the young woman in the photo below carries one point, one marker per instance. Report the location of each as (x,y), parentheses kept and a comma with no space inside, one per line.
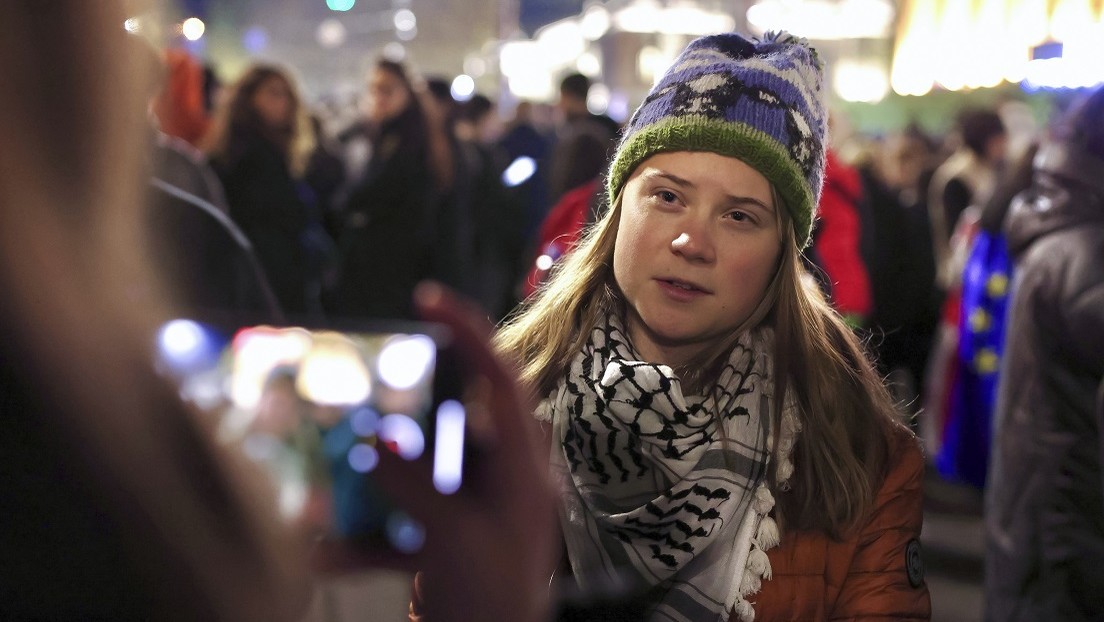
(703,401)
(259,147)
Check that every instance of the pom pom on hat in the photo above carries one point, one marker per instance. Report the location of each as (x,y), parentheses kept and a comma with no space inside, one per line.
(757,100)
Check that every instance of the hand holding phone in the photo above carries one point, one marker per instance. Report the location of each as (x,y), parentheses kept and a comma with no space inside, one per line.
(316,407)
(481,525)
(491,547)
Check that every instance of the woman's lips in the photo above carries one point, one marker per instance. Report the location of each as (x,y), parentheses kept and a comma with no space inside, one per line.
(681,291)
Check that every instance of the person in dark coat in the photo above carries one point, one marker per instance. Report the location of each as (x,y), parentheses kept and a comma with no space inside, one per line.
(258,148)
(526,149)
(385,242)
(583,141)
(902,274)
(1045,497)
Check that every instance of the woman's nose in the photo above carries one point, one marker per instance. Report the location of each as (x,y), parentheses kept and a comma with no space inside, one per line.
(693,245)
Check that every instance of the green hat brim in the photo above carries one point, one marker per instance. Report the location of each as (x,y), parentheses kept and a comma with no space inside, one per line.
(737,140)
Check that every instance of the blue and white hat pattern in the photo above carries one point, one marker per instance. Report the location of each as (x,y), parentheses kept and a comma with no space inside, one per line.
(757,100)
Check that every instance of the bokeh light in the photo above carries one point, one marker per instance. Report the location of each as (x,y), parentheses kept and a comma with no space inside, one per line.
(519,171)
(193,29)
(334,374)
(363,458)
(402,434)
(598,99)
(463,87)
(186,346)
(544,262)
(394,51)
(255,39)
(365,422)
(405,20)
(405,534)
(406,360)
(448,450)
(340,5)
(331,33)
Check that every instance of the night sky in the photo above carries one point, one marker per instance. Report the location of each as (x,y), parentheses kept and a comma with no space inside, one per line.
(536,13)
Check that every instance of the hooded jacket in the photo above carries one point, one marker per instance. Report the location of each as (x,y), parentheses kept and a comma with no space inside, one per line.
(1045,502)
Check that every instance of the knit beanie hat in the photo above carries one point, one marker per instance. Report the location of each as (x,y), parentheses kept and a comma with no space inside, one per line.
(756,100)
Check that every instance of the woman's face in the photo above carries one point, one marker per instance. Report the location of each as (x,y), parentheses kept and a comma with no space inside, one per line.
(697,245)
(387,96)
(274,103)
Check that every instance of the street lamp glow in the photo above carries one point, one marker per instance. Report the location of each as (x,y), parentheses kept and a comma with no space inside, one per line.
(331,33)
(475,66)
(589,65)
(193,28)
(463,87)
(405,20)
(394,51)
(595,22)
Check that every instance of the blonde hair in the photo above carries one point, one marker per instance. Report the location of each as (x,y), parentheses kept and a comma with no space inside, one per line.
(845,410)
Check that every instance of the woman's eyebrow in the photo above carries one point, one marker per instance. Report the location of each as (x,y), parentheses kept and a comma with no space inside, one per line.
(741,200)
(650,175)
(686,183)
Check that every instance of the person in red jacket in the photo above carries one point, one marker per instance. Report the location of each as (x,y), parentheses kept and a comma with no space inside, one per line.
(180,107)
(560,231)
(836,241)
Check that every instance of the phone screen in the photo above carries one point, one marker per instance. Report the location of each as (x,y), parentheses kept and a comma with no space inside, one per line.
(315,407)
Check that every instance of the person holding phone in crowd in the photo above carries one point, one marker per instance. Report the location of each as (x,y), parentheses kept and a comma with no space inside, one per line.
(720,442)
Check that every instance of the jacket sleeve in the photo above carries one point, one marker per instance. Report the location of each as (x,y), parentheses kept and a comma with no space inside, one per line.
(886,577)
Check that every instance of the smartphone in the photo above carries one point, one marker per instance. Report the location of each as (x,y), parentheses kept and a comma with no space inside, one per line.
(315,406)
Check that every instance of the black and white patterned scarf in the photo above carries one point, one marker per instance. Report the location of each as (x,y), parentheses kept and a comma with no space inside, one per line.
(653,492)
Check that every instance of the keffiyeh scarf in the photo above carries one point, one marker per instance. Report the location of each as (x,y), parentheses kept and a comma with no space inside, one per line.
(653,492)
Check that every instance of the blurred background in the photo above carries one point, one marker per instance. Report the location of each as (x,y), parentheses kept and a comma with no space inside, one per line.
(889,61)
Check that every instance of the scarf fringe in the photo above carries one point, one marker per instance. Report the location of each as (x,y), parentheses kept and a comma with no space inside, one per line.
(757,568)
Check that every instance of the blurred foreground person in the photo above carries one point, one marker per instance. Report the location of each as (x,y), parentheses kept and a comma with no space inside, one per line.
(1045,497)
(118,503)
(720,442)
(259,147)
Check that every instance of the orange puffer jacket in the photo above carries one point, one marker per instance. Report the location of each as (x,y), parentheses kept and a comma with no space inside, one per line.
(875,574)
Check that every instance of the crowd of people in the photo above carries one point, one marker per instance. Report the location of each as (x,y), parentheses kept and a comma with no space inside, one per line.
(417,181)
(737,335)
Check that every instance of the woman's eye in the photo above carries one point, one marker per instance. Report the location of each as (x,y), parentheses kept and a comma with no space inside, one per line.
(667,196)
(738,216)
